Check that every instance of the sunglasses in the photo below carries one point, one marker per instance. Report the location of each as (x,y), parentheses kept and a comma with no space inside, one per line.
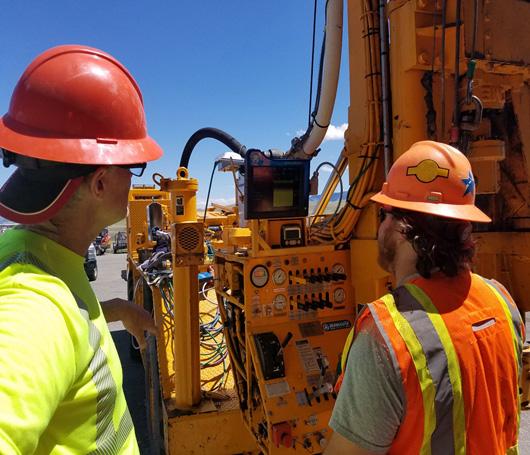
(135,169)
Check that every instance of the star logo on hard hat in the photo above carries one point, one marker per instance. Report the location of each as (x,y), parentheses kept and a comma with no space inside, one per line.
(470,185)
(427,171)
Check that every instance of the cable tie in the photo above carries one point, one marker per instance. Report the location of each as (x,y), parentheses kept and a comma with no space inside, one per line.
(353,206)
(370,13)
(320,126)
(370,33)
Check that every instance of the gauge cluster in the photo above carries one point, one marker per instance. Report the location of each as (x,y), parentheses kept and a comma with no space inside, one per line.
(299,287)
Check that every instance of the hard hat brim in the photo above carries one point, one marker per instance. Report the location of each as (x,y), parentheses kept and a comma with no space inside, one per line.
(458,212)
(17,138)
(28,201)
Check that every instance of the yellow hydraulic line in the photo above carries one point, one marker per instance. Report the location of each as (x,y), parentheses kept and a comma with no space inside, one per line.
(358,199)
(331,185)
(231,299)
(341,229)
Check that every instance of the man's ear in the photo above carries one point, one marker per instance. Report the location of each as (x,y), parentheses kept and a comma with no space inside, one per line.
(96,181)
(402,236)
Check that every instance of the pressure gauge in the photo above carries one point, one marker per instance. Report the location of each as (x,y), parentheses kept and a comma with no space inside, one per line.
(280,302)
(337,268)
(259,276)
(278,277)
(339,295)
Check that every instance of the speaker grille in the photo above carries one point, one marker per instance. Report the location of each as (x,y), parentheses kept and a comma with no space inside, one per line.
(188,239)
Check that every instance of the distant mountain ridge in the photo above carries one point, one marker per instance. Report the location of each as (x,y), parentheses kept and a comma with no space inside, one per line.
(334,197)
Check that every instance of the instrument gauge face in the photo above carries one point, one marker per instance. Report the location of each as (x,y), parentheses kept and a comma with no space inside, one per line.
(339,295)
(337,268)
(280,302)
(259,276)
(278,277)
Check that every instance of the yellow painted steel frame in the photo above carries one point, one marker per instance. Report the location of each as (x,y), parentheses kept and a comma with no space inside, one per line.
(215,425)
(499,146)
(139,199)
(189,413)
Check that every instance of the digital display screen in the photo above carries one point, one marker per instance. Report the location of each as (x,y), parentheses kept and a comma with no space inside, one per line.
(275,188)
(283,194)
(292,234)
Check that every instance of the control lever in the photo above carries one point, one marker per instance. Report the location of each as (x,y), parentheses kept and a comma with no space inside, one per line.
(284,342)
(325,365)
(326,388)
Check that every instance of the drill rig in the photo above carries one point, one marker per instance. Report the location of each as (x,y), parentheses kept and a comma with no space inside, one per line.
(248,364)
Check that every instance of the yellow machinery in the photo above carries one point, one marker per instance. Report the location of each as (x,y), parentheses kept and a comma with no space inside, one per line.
(249,367)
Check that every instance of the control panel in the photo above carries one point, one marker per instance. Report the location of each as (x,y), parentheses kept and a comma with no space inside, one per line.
(289,316)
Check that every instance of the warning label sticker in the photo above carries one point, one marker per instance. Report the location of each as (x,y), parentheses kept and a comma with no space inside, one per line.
(307,356)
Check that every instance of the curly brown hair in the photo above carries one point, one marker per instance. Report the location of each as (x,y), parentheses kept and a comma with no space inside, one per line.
(440,243)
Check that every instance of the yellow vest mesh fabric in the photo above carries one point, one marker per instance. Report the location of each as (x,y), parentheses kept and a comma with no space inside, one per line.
(60,375)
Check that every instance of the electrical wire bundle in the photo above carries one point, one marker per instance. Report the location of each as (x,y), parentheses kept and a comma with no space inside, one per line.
(212,342)
(339,227)
(213,346)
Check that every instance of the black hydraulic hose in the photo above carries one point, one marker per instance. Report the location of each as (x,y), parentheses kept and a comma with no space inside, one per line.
(212,133)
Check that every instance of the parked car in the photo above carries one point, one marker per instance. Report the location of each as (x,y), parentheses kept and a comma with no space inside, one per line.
(91,263)
(120,241)
(102,241)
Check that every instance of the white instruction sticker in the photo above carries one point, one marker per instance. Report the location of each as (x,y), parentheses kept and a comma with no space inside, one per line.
(277,389)
(307,356)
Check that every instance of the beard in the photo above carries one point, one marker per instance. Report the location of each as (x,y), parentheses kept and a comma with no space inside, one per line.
(386,252)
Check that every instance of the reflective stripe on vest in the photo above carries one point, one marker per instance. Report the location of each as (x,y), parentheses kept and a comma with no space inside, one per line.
(108,440)
(434,356)
(513,316)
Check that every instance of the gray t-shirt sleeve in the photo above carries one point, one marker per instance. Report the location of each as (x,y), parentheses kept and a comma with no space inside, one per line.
(370,405)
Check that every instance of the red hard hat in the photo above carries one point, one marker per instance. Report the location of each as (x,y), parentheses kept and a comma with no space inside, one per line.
(76,104)
(435,178)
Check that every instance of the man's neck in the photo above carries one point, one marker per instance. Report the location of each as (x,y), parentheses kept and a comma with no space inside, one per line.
(405,262)
(75,238)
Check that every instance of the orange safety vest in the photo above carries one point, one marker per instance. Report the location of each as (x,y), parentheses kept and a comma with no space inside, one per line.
(456,344)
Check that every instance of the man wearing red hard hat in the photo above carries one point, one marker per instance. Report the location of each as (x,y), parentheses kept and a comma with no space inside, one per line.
(433,366)
(76,132)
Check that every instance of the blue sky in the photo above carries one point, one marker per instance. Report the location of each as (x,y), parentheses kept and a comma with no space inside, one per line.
(240,66)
